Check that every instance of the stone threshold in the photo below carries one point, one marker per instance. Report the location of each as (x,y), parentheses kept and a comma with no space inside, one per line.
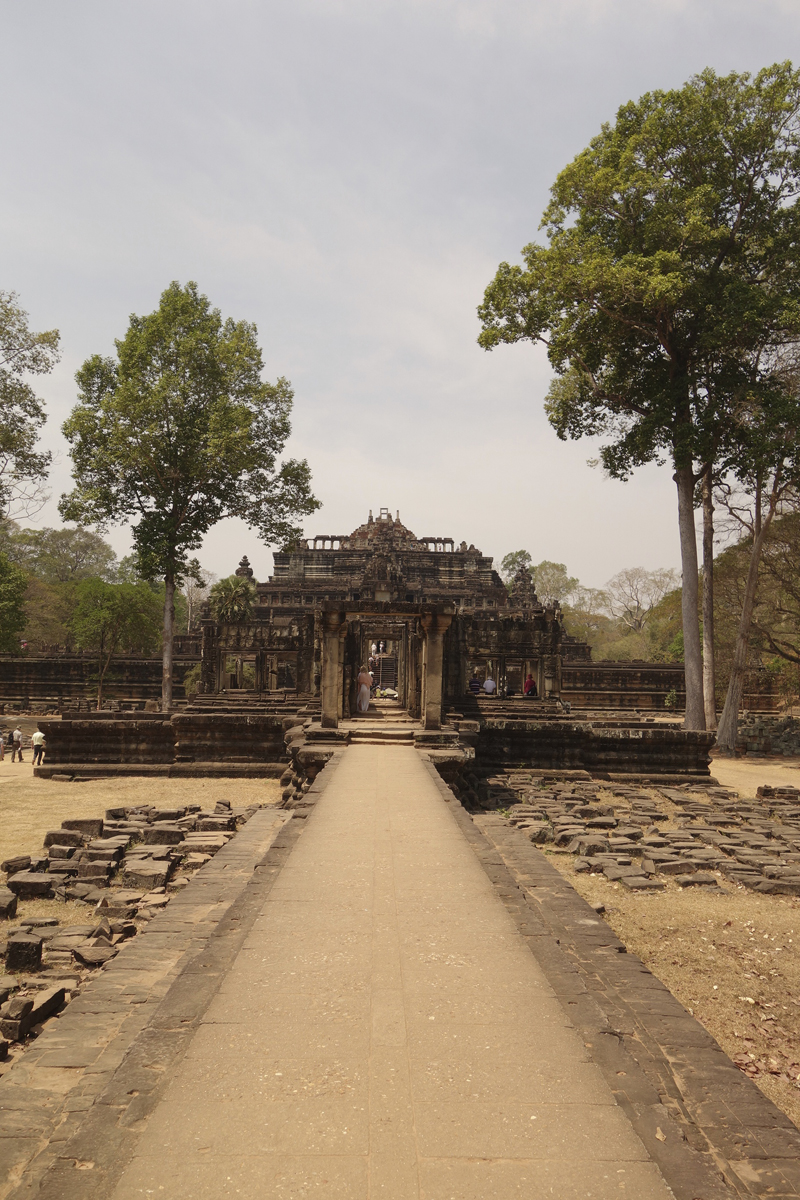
(713,1134)
(72,1108)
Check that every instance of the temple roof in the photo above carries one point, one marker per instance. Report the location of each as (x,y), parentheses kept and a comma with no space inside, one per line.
(384,533)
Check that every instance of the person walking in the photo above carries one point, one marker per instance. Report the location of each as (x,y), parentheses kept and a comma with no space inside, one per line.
(364,683)
(37,741)
(16,744)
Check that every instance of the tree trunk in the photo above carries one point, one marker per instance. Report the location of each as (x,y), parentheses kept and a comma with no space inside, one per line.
(709,672)
(729,721)
(690,592)
(169,632)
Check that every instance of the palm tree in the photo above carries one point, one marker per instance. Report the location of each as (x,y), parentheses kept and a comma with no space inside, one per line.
(232,599)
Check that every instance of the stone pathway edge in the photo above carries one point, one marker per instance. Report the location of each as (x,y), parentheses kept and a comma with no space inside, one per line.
(712,1133)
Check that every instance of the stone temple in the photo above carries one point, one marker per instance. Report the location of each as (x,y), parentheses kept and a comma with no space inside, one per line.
(428,616)
(437,613)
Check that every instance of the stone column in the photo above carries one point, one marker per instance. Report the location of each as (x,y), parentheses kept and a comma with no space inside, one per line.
(435,626)
(332,623)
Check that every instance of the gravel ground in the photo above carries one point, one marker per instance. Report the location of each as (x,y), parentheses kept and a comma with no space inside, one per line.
(729,955)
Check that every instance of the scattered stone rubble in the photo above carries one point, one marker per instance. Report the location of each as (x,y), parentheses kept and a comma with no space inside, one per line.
(126,867)
(694,833)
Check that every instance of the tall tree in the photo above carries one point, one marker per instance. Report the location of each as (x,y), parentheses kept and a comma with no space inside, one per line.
(23,469)
(634,593)
(553,582)
(767,473)
(512,562)
(179,432)
(671,262)
(114,617)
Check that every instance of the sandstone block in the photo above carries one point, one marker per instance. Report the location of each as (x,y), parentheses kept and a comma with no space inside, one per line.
(146,874)
(93,956)
(63,837)
(28,885)
(24,952)
(60,851)
(697,880)
(163,835)
(91,825)
(639,883)
(12,865)
(8,903)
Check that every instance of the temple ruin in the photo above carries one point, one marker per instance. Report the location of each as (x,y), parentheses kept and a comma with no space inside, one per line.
(436,613)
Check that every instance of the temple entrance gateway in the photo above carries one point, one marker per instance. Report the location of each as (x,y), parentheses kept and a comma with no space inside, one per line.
(434,610)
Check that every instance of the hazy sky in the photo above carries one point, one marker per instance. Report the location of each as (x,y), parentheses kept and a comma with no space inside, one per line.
(347,174)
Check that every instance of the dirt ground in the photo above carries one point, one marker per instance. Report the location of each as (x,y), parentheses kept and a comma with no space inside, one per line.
(30,806)
(729,956)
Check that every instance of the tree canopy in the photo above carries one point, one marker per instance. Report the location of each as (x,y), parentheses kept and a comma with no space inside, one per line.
(669,280)
(23,468)
(231,599)
(112,618)
(179,432)
(13,585)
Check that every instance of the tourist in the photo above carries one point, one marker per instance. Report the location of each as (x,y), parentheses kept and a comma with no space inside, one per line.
(475,684)
(3,740)
(373,649)
(489,686)
(16,744)
(530,688)
(37,741)
(364,683)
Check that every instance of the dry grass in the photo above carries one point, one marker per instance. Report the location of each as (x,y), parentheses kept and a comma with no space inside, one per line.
(730,957)
(30,806)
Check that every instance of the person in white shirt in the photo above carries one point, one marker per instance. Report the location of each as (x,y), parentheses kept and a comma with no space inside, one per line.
(37,741)
(489,685)
(16,744)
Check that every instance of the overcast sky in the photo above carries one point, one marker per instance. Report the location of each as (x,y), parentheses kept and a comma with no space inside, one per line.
(347,174)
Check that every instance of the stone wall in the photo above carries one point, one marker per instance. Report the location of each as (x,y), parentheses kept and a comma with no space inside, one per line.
(597,747)
(26,680)
(154,740)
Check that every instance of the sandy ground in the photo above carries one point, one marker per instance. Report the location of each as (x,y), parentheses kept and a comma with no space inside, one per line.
(29,807)
(730,956)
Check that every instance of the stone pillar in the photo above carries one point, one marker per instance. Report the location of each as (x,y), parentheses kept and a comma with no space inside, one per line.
(332,623)
(435,626)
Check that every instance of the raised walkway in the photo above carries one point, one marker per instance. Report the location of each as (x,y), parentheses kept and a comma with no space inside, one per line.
(385,1031)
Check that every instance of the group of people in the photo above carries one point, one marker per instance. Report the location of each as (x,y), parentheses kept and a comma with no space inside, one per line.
(12,740)
(530,691)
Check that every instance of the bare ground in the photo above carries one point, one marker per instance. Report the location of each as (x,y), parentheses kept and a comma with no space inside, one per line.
(730,956)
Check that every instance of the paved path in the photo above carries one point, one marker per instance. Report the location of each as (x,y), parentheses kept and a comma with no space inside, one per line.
(385,1032)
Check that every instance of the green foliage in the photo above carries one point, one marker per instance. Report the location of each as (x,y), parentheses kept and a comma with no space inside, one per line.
(180,431)
(13,583)
(553,583)
(513,562)
(232,599)
(191,680)
(112,618)
(670,264)
(23,470)
(61,555)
